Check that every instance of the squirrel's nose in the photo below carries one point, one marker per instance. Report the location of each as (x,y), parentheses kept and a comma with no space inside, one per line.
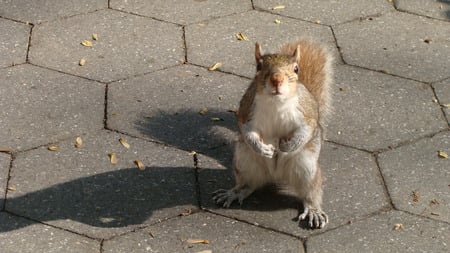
(276,79)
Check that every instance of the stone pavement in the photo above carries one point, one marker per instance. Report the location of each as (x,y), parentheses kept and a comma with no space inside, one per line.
(145,78)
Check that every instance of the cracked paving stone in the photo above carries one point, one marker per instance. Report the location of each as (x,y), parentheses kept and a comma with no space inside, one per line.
(165,105)
(406,112)
(237,56)
(398,43)
(78,189)
(325,12)
(377,234)
(353,188)
(127,45)
(223,235)
(181,11)
(19,235)
(439,9)
(442,90)
(40,106)
(13,42)
(44,10)
(416,169)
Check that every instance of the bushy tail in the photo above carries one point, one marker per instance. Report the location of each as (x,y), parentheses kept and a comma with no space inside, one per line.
(315,73)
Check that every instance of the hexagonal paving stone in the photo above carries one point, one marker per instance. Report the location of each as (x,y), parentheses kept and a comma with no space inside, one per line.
(40,106)
(165,106)
(398,43)
(182,12)
(418,179)
(326,12)
(373,111)
(78,189)
(44,10)
(13,42)
(21,236)
(436,9)
(353,188)
(4,169)
(237,56)
(378,234)
(224,235)
(127,45)
(442,90)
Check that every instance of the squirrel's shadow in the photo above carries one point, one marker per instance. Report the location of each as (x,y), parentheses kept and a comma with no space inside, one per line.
(128,196)
(113,199)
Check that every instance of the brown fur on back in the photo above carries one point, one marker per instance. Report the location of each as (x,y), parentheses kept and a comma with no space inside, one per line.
(315,72)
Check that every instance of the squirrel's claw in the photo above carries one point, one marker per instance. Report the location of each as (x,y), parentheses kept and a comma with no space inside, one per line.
(224,197)
(267,150)
(316,218)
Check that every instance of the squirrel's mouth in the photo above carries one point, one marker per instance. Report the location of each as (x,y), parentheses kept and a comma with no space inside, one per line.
(275,92)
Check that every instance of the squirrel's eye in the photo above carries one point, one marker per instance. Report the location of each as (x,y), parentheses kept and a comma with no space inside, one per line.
(296,69)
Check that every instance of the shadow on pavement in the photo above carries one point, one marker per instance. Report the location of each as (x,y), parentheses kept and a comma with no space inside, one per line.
(113,199)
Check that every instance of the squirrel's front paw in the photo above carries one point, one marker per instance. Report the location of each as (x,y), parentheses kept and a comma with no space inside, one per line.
(316,218)
(288,145)
(267,150)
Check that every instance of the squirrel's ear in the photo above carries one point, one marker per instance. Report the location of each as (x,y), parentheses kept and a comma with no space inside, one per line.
(258,56)
(296,54)
(258,52)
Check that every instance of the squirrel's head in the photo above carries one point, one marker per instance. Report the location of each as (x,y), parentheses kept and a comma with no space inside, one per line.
(277,73)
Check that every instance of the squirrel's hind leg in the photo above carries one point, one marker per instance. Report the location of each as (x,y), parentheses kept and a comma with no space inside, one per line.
(249,174)
(307,183)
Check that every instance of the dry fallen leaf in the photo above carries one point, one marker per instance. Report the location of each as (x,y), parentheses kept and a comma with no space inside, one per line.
(112,158)
(11,188)
(203,111)
(151,234)
(446,105)
(82,62)
(197,241)
(415,196)
(433,213)
(124,143)
(95,36)
(78,142)
(5,149)
(278,7)
(398,226)
(186,212)
(86,43)
(52,148)
(139,164)
(233,111)
(434,202)
(241,36)
(277,21)
(216,119)
(192,153)
(215,66)
(442,154)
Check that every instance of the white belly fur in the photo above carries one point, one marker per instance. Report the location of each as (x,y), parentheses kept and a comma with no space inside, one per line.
(274,119)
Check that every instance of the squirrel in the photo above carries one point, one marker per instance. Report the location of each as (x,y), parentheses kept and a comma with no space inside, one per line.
(281,120)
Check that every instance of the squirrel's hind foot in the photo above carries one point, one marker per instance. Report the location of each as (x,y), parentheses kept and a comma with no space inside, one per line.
(227,197)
